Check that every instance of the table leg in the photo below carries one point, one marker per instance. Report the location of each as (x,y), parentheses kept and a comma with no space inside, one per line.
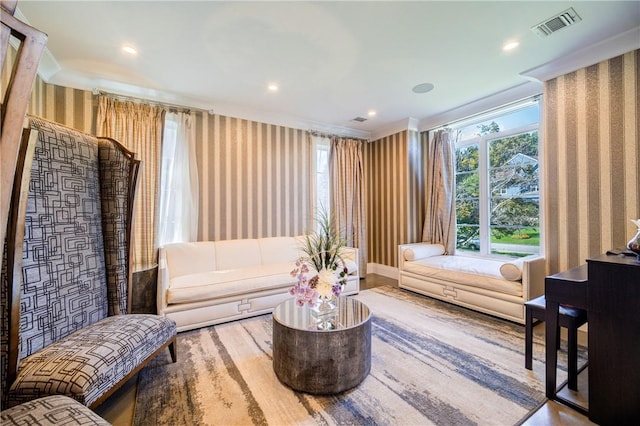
(551,338)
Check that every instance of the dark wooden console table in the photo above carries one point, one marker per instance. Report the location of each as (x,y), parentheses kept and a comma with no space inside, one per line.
(608,287)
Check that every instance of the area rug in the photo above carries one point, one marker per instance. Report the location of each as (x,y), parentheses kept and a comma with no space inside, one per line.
(432,363)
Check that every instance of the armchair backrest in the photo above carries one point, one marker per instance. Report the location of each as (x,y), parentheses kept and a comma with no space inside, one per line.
(68,251)
(118,184)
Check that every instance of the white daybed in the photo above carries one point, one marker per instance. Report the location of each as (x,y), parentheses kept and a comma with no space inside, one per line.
(493,286)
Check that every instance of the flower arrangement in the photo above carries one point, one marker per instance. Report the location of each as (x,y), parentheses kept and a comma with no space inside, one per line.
(320,273)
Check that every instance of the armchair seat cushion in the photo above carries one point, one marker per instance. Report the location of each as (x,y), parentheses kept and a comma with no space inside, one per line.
(88,362)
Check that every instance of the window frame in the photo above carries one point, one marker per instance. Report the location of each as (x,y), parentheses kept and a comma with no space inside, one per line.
(484,197)
(321,144)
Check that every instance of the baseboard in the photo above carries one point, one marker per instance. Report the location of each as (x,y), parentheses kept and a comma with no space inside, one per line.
(384,270)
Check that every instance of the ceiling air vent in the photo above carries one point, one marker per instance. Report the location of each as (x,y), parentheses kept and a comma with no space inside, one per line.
(359,119)
(558,22)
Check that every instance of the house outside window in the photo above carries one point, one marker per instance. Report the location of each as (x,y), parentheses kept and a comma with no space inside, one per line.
(497,184)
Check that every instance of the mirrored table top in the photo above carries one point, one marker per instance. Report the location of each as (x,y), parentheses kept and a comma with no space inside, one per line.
(350,313)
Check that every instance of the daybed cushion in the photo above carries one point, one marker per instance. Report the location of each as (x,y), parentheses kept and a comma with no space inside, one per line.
(55,410)
(512,271)
(87,363)
(482,273)
(422,251)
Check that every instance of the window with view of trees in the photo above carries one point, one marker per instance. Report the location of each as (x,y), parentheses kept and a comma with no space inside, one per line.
(497,185)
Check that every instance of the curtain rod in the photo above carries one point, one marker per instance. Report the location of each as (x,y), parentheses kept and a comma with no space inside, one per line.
(327,135)
(170,107)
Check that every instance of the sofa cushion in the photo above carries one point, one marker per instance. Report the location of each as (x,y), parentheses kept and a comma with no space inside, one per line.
(230,275)
(235,254)
(279,249)
(190,258)
(88,362)
(475,272)
(215,284)
(423,250)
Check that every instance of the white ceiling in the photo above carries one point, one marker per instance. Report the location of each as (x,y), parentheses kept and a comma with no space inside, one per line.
(334,61)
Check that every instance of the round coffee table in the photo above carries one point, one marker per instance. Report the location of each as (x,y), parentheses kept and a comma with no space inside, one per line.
(321,361)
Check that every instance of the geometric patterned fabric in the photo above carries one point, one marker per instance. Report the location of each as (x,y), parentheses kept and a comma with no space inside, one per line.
(63,281)
(75,336)
(89,362)
(51,410)
(115,187)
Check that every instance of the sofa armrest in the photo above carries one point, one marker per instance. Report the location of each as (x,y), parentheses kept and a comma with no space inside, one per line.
(533,274)
(351,254)
(163,282)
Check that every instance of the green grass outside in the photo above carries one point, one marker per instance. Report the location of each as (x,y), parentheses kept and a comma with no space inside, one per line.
(533,240)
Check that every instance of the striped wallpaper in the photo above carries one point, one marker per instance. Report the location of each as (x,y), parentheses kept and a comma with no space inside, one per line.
(592,160)
(254,179)
(74,108)
(395,194)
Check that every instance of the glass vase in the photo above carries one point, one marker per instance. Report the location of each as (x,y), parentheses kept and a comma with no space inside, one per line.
(324,312)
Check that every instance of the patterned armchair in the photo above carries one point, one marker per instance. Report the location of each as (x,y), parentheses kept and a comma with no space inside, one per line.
(66,285)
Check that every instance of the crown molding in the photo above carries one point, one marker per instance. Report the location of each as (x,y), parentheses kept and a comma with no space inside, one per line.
(408,123)
(593,54)
(48,66)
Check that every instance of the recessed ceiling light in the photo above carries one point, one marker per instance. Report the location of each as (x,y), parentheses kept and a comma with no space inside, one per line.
(423,88)
(371,113)
(510,45)
(129,50)
(273,87)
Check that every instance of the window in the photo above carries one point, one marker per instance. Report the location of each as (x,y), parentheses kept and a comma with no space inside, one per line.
(169,223)
(497,181)
(178,211)
(322,200)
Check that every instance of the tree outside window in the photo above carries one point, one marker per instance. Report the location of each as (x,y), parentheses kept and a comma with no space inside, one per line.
(497,186)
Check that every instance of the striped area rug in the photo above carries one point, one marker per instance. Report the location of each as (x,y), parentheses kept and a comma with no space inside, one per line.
(432,363)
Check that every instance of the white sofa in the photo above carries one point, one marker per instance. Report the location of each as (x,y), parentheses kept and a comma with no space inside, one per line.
(210,282)
(491,286)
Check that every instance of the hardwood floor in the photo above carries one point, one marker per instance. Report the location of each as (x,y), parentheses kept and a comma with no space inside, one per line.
(119,408)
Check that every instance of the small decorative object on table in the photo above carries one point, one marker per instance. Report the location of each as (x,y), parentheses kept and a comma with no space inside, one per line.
(321,273)
(634,242)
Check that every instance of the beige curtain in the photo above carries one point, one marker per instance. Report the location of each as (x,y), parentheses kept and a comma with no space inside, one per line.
(347,194)
(440,215)
(139,128)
